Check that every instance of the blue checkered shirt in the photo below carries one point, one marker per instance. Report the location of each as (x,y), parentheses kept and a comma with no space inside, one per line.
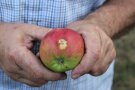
(52,14)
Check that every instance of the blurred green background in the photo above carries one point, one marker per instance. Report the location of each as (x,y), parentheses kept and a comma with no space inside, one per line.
(124,77)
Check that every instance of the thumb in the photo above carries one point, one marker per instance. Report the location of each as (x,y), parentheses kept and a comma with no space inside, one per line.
(84,67)
(37,32)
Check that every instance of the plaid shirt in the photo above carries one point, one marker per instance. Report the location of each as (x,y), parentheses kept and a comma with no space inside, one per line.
(52,14)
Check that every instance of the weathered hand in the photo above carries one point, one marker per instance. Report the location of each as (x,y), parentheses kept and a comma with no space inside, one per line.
(99,53)
(17,60)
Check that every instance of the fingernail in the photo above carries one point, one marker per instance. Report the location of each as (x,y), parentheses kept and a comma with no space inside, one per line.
(75,76)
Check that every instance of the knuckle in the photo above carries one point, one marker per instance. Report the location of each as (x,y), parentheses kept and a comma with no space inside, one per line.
(103,68)
(96,55)
(109,42)
(15,77)
(113,53)
(12,55)
(9,69)
(96,71)
(37,75)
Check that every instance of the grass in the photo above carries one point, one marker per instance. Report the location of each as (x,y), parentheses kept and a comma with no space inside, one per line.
(124,77)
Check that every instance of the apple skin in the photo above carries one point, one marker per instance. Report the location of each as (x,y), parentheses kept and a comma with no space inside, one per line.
(61,49)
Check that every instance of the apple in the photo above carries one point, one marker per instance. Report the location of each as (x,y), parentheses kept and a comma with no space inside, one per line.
(61,49)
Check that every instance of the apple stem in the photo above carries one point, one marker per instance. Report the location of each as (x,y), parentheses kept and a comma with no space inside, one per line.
(60,60)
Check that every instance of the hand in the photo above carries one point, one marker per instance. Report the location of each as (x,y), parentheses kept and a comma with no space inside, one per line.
(99,53)
(17,60)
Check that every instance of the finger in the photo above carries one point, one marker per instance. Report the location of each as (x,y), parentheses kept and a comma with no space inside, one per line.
(9,65)
(38,55)
(91,55)
(84,67)
(102,65)
(19,75)
(35,69)
(38,78)
(30,83)
(98,70)
(19,78)
(110,56)
(37,32)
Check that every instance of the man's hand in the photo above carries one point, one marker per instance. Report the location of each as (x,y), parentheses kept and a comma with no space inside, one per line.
(110,20)
(99,47)
(17,60)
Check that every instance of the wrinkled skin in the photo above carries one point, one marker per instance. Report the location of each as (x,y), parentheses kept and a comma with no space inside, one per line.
(100,50)
(17,60)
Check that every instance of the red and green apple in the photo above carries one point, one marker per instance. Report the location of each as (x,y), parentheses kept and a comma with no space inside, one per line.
(61,49)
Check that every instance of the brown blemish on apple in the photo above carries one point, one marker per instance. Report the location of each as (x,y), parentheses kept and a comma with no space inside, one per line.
(62,44)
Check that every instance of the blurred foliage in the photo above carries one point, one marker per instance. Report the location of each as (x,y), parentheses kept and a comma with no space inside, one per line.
(124,77)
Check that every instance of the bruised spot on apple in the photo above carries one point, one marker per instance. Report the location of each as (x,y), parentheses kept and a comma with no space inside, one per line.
(61,49)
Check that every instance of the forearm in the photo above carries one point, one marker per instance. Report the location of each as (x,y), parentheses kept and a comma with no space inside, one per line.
(114,16)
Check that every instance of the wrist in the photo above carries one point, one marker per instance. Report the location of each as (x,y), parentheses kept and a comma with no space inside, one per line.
(100,23)
(87,25)
(113,18)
